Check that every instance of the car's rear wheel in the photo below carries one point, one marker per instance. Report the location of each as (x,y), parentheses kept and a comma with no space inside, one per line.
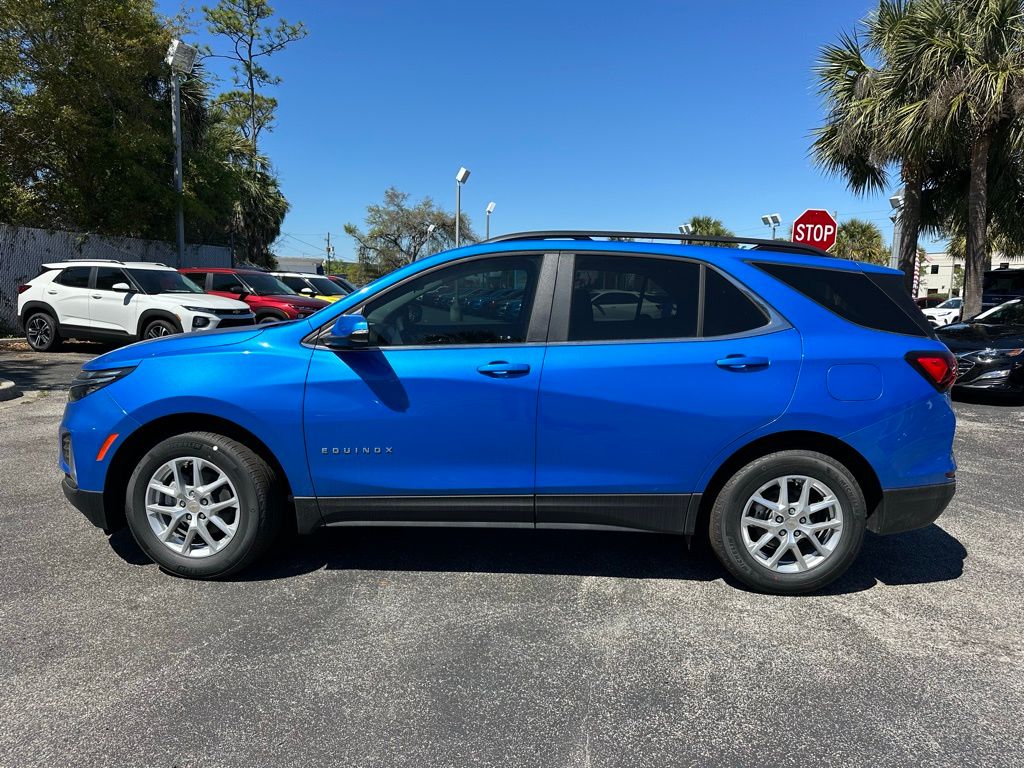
(269,318)
(158,329)
(202,505)
(41,332)
(789,523)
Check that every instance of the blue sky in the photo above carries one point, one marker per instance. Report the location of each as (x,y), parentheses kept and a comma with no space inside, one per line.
(614,115)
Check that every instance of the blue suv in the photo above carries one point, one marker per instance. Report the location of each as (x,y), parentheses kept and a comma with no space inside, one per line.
(780,399)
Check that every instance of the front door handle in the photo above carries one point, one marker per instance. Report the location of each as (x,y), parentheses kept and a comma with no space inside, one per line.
(500,369)
(97,295)
(742,363)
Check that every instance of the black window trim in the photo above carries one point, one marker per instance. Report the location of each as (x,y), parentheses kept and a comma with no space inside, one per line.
(558,333)
(536,330)
(89,281)
(127,279)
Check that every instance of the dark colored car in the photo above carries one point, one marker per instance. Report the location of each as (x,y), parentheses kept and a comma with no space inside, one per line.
(1000,285)
(989,349)
(927,302)
(341,282)
(271,300)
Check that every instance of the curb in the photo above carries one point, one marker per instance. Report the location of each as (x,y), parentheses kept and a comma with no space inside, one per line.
(8,391)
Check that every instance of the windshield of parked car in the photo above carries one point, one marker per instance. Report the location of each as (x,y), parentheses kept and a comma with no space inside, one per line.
(1011,313)
(324,287)
(154,281)
(949,304)
(266,285)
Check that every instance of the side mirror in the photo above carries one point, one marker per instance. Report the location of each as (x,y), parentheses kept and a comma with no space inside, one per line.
(348,332)
(121,287)
(307,292)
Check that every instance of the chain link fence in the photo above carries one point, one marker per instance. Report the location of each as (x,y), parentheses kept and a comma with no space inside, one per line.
(24,250)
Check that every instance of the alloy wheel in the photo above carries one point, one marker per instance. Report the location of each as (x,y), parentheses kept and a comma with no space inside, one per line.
(157,330)
(39,331)
(192,507)
(792,524)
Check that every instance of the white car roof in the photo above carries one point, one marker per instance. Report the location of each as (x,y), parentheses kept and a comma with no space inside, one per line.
(108,263)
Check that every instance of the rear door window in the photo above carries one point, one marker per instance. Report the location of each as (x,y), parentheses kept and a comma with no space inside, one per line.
(873,300)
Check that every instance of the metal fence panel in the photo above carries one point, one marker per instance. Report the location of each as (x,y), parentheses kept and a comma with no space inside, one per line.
(24,250)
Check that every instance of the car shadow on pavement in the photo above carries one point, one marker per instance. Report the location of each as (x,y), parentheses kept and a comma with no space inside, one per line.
(47,371)
(919,557)
(988,398)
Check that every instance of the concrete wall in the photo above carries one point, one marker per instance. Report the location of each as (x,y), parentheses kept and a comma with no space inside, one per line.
(23,251)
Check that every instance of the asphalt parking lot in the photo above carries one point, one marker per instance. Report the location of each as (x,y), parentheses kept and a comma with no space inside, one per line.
(413,647)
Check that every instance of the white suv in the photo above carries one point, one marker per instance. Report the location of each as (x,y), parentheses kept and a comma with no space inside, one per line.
(115,300)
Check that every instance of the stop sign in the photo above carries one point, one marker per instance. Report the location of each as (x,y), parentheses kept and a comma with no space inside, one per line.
(816,227)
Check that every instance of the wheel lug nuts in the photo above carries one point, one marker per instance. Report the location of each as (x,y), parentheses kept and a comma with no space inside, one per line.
(202,516)
(204,502)
(188,517)
(796,533)
(181,503)
(779,519)
(782,534)
(803,521)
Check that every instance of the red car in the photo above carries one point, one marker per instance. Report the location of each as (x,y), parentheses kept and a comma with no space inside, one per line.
(271,300)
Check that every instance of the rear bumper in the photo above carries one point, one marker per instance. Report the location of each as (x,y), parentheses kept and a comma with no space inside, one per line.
(906,509)
(89,503)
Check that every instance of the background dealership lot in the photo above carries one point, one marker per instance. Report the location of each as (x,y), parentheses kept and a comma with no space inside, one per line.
(388,647)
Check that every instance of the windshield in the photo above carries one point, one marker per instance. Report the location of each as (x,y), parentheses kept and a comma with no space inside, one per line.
(154,281)
(325,287)
(266,285)
(1011,313)
(949,304)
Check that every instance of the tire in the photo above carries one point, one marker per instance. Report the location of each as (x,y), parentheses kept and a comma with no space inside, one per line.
(269,319)
(747,549)
(254,517)
(157,329)
(42,332)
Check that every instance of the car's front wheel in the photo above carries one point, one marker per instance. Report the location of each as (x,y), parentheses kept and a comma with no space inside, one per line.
(202,505)
(158,329)
(41,332)
(789,523)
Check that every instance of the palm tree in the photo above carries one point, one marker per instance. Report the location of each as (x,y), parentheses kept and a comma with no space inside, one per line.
(708,225)
(957,74)
(861,240)
(856,141)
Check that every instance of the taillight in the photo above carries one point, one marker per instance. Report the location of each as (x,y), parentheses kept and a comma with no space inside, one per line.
(23,288)
(938,367)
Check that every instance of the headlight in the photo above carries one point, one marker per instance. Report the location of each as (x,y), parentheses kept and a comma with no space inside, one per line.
(998,354)
(87,382)
(207,310)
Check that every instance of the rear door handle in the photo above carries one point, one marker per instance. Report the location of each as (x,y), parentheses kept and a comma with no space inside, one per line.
(742,363)
(52,293)
(97,295)
(499,369)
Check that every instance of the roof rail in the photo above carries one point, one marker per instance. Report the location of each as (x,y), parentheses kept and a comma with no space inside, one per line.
(784,246)
(104,261)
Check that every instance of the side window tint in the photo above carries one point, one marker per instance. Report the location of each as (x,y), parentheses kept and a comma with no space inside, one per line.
(108,277)
(628,297)
(295,283)
(225,282)
(877,301)
(74,277)
(727,309)
(199,278)
(479,302)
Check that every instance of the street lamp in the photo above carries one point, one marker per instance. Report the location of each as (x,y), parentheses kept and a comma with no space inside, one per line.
(460,178)
(490,210)
(685,229)
(430,234)
(181,58)
(772,220)
(896,201)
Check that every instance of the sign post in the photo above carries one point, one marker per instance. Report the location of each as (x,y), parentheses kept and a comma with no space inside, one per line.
(816,227)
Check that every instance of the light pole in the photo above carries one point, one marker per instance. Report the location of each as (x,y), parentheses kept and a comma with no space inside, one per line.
(896,201)
(771,220)
(181,58)
(685,229)
(490,210)
(430,234)
(460,178)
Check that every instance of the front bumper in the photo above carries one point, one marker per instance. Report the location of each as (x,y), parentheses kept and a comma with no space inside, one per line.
(906,509)
(89,503)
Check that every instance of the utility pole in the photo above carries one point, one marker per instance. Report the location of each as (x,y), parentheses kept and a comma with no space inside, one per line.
(330,250)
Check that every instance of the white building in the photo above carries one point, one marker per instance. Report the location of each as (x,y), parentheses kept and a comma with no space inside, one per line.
(938,270)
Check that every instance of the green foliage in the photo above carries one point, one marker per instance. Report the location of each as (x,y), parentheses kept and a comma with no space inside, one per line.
(861,240)
(85,128)
(251,42)
(708,225)
(397,233)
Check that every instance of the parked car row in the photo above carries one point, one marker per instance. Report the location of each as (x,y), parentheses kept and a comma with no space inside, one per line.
(105,300)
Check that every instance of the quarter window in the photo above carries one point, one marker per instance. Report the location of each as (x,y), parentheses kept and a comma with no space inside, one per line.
(617,298)
(727,310)
(74,277)
(487,301)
